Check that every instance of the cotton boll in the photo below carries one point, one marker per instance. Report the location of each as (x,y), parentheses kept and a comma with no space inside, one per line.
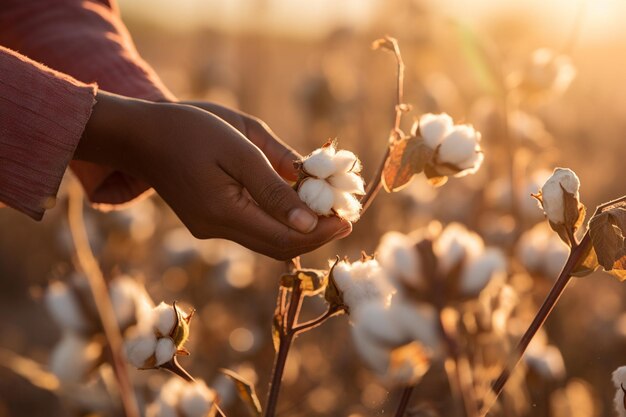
(418,321)
(73,357)
(347,206)
(433,128)
(555,256)
(320,163)
(318,195)
(361,283)
(481,270)
(398,257)
(164,351)
(619,380)
(196,399)
(346,161)
(164,318)
(140,348)
(348,182)
(552,193)
(547,362)
(64,308)
(460,147)
(455,244)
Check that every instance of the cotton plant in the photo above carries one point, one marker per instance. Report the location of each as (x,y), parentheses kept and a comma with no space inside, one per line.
(179,398)
(546,72)
(453,260)
(398,342)
(155,342)
(435,146)
(330,180)
(80,350)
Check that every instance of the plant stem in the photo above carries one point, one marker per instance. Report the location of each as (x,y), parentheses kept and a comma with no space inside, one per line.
(286,337)
(553,296)
(100,293)
(376,183)
(404,401)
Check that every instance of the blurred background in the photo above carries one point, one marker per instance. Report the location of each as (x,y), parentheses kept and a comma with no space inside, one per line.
(308,70)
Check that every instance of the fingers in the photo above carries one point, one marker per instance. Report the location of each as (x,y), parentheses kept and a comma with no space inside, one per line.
(258,231)
(280,155)
(271,192)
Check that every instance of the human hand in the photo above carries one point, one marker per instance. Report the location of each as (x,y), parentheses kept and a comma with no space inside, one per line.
(216,180)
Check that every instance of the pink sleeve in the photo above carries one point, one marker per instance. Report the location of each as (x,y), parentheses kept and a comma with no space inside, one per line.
(87,40)
(42,116)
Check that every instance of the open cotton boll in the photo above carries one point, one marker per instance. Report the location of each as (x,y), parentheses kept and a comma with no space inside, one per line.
(164,351)
(318,195)
(197,399)
(164,318)
(433,127)
(460,148)
(456,244)
(131,302)
(140,347)
(64,308)
(480,270)
(320,163)
(362,282)
(398,256)
(395,341)
(552,193)
(73,357)
(619,381)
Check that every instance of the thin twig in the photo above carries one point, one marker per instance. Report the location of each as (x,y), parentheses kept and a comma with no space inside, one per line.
(553,296)
(404,401)
(100,294)
(311,324)
(375,184)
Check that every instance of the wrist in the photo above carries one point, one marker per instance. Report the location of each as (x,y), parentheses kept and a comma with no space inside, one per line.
(113,132)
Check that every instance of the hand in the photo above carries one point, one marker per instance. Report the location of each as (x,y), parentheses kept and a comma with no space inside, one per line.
(216,180)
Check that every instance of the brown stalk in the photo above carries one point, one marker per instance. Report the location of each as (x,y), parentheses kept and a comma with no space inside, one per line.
(375,184)
(100,293)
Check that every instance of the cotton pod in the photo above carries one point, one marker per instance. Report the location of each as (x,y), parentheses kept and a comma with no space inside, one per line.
(553,194)
(157,340)
(455,149)
(542,252)
(362,282)
(400,260)
(73,358)
(397,342)
(456,244)
(131,303)
(329,181)
(480,270)
(548,72)
(460,153)
(178,398)
(65,308)
(619,381)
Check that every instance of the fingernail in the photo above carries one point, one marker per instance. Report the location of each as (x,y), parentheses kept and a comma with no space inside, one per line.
(302,220)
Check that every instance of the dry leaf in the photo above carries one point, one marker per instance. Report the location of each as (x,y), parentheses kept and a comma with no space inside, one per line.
(606,241)
(246,392)
(407,157)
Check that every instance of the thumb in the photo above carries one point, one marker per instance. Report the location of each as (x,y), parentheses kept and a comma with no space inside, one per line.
(275,196)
